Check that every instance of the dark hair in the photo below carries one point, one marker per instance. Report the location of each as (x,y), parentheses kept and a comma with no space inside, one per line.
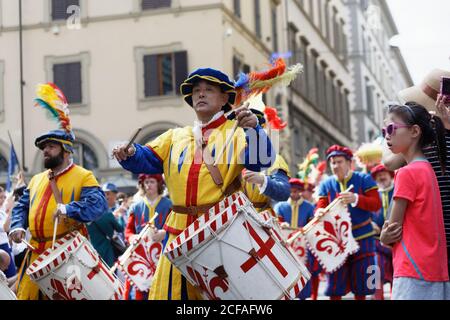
(433,129)
(161,186)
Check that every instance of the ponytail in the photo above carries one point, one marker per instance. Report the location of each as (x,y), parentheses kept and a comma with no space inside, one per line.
(441,143)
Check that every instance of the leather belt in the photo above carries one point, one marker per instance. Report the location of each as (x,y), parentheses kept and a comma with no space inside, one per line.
(261,205)
(363,224)
(202,209)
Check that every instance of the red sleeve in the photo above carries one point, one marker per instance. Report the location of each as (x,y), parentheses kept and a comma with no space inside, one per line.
(370,201)
(130,228)
(322,203)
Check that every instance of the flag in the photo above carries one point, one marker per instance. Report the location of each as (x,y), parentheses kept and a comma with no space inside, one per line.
(13,162)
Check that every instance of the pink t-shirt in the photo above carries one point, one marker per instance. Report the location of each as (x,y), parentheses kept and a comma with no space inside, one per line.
(422,252)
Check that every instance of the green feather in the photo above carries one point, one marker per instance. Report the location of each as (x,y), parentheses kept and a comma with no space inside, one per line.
(46,106)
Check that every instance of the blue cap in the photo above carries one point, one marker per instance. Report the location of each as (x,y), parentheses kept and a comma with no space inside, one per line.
(110,187)
(60,136)
(213,76)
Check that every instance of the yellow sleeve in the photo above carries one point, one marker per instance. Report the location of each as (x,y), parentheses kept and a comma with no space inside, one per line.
(280,164)
(161,145)
(89,180)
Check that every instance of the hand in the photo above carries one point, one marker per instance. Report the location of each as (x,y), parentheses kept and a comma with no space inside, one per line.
(159,235)
(20,180)
(58,214)
(119,212)
(121,154)
(245,118)
(320,212)
(284,225)
(133,238)
(376,228)
(253,177)
(443,109)
(347,197)
(391,233)
(17,236)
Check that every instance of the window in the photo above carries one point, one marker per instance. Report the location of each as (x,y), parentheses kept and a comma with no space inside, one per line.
(329,97)
(327,20)
(336,32)
(369,100)
(346,113)
(59,8)
(311,10)
(71,74)
(67,76)
(339,120)
(84,156)
(344,49)
(322,88)
(155,4)
(239,66)
(258,19)
(274,28)
(303,79)
(312,74)
(164,73)
(237,8)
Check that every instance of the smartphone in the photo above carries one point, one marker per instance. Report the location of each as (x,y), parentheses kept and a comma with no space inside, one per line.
(445,89)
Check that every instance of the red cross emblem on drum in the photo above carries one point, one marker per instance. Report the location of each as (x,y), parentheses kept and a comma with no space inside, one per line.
(264,251)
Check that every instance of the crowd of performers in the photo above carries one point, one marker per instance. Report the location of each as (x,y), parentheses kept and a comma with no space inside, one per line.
(178,183)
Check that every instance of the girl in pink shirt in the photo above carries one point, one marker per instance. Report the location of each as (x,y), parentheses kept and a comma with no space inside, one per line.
(416,225)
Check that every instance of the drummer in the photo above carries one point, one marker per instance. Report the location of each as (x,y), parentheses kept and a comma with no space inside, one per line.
(83,201)
(296,213)
(362,201)
(264,188)
(140,213)
(194,184)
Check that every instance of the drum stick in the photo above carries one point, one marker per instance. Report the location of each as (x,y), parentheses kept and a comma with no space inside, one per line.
(227,142)
(28,245)
(132,139)
(310,224)
(55,228)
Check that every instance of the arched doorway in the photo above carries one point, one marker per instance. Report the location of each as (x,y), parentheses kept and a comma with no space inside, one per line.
(84,156)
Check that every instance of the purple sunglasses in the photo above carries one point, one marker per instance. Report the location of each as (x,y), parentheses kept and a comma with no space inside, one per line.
(391,128)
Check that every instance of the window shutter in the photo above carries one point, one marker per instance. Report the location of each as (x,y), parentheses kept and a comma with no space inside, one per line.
(67,77)
(154,4)
(59,8)
(151,75)
(181,69)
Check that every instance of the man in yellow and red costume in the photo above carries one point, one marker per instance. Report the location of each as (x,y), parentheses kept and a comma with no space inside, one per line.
(186,156)
(82,201)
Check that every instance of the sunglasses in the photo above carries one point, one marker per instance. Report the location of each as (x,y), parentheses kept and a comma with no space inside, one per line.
(391,128)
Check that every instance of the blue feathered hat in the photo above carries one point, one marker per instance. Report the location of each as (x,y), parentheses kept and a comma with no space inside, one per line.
(59,136)
(213,76)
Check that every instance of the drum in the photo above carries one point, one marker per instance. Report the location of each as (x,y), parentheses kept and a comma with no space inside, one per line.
(230,253)
(74,271)
(141,260)
(5,291)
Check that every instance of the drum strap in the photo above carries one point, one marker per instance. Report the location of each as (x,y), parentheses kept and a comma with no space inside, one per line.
(58,198)
(209,163)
